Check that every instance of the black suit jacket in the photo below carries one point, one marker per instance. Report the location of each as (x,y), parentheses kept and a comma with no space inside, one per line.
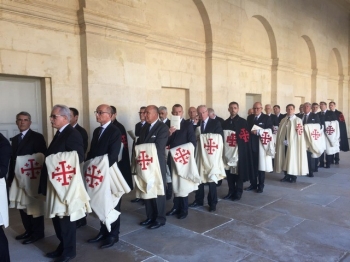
(5,155)
(184,135)
(213,126)
(69,140)
(274,120)
(167,122)
(264,121)
(328,116)
(109,143)
(312,119)
(32,143)
(84,135)
(138,127)
(221,120)
(193,125)
(280,117)
(158,135)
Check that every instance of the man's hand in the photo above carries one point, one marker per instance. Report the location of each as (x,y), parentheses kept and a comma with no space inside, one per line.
(171,130)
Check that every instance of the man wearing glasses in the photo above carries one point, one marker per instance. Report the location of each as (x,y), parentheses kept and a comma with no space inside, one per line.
(27,142)
(106,139)
(67,139)
(263,121)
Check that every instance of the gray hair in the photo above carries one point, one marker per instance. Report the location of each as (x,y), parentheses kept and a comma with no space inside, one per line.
(210,110)
(200,106)
(23,113)
(161,108)
(307,103)
(64,110)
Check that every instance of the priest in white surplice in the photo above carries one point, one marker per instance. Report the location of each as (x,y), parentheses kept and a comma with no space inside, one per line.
(291,147)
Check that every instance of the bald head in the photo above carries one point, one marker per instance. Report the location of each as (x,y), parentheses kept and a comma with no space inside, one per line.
(257,107)
(268,109)
(151,114)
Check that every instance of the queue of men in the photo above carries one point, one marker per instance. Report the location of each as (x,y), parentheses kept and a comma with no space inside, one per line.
(170,156)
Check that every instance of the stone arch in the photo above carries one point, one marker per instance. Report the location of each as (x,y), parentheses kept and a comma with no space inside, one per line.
(208,50)
(313,65)
(273,63)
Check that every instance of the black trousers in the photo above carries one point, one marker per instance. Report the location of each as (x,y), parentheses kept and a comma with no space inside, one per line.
(235,184)
(310,163)
(34,226)
(212,195)
(181,204)
(336,157)
(4,247)
(321,160)
(329,160)
(66,233)
(155,207)
(115,226)
(257,176)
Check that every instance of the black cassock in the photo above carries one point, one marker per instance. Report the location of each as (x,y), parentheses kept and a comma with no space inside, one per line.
(245,163)
(344,143)
(124,163)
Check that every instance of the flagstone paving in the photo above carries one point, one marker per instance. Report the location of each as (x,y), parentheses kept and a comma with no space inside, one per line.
(306,221)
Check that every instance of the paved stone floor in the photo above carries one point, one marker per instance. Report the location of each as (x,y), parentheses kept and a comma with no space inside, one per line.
(306,221)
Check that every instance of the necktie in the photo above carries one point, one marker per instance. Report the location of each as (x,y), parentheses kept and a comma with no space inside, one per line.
(100,132)
(304,120)
(202,127)
(20,138)
(56,135)
(256,119)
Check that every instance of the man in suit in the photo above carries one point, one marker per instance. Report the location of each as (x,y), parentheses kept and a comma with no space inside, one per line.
(212,115)
(263,121)
(244,166)
(27,142)
(74,115)
(163,113)
(192,113)
(177,138)
(268,111)
(5,155)
(277,112)
(138,128)
(67,139)
(155,131)
(124,163)
(106,139)
(301,111)
(213,126)
(344,142)
(309,118)
(325,115)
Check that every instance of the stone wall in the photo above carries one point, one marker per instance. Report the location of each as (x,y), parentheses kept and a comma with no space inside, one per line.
(130,53)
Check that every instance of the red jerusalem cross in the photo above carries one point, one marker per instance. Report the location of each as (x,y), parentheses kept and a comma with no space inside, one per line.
(93,177)
(32,171)
(210,147)
(182,156)
(330,130)
(244,135)
(232,140)
(63,173)
(144,160)
(299,129)
(315,134)
(265,138)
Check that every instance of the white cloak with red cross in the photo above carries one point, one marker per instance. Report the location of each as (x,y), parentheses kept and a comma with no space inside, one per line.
(66,194)
(24,189)
(314,139)
(209,161)
(4,209)
(230,155)
(293,160)
(148,179)
(185,176)
(105,186)
(332,134)
(266,150)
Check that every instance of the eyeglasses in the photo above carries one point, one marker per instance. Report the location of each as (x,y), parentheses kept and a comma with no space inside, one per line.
(201,113)
(141,113)
(54,116)
(256,108)
(100,112)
